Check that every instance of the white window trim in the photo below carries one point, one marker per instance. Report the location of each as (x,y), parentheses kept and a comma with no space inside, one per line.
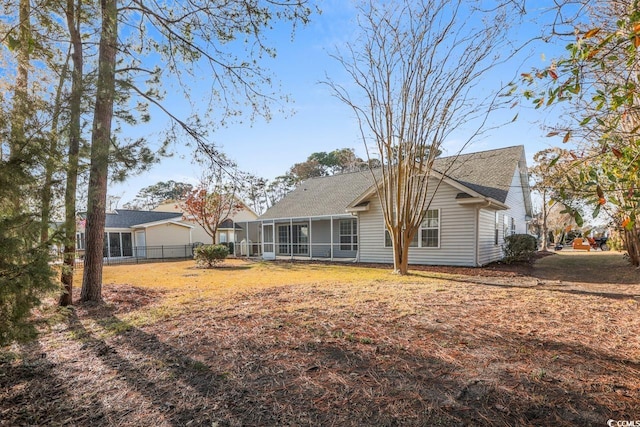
(439,231)
(353,234)
(418,233)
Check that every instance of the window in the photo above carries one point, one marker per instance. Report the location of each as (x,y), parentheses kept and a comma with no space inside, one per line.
(80,243)
(497,228)
(348,235)
(388,244)
(505,226)
(117,245)
(430,229)
(513,225)
(428,235)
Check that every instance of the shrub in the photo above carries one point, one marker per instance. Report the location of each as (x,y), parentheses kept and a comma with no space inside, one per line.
(210,255)
(519,247)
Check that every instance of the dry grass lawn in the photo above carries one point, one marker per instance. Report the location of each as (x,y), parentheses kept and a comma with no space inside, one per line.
(255,343)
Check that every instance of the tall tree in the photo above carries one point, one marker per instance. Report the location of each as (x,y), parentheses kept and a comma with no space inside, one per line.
(185,38)
(73,15)
(100,144)
(415,66)
(25,273)
(151,196)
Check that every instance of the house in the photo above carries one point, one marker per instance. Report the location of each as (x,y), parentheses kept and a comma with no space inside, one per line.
(482,198)
(226,229)
(158,233)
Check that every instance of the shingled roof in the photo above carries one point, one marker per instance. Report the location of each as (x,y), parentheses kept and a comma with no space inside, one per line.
(124,218)
(488,173)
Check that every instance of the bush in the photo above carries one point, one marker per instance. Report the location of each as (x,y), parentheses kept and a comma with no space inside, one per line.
(210,255)
(519,247)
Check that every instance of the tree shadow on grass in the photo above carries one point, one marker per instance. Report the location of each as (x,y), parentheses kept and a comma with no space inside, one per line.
(342,381)
(32,392)
(175,384)
(270,379)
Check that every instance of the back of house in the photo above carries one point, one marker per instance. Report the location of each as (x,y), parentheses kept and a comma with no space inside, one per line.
(482,198)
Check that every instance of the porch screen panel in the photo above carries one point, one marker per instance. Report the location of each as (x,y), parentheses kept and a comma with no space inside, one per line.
(114,245)
(283,239)
(127,244)
(300,235)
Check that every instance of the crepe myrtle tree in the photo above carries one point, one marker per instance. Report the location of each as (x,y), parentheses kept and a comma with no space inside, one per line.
(414,70)
(215,198)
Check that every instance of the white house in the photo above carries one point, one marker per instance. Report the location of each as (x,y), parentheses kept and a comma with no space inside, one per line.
(483,197)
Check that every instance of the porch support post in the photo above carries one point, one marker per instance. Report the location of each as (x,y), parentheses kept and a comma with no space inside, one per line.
(291,237)
(331,235)
(310,247)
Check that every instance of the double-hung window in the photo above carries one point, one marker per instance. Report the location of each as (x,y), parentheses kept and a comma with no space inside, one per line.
(348,235)
(428,235)
(430,229)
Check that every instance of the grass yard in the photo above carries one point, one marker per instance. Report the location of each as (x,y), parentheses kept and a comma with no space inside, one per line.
(255,343)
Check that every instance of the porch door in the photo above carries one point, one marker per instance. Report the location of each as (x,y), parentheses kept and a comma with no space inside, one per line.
(268,238)
(141,244)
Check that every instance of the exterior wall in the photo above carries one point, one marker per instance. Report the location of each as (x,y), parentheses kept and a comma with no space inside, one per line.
(167,235)
(244,215)
(457,233)
(515,201)
(198,234)
(488,251)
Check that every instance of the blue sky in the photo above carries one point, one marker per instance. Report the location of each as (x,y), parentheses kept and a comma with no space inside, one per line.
(320,121)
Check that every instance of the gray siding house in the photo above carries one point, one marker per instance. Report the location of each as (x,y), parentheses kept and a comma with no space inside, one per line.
(483,197)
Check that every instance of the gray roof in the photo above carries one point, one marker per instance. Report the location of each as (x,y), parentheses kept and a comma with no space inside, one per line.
(488,173)
(327,195)
(124,218)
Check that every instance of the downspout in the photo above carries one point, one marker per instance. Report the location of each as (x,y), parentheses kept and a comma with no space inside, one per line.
(331,239)
(310,243)
(357,235)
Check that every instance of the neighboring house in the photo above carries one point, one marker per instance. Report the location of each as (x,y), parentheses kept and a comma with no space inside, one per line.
(483,197)
(227,229)
(158,233)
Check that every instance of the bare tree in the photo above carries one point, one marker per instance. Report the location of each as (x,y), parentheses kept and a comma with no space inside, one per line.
(420,72)
(214,199)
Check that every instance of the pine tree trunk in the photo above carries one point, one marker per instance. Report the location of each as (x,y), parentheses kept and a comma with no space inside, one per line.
(100,143)
(72,163)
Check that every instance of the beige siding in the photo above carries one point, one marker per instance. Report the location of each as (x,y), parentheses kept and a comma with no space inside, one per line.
(244,215)
(198,233)
(167,234)
(457,233)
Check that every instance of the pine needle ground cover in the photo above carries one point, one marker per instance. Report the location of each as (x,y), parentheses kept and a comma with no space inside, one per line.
(254,343)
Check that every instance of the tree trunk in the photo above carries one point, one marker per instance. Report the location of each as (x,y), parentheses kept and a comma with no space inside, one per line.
(400,252)
(544,239)
(100,143)
(18,140)
(75,102)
